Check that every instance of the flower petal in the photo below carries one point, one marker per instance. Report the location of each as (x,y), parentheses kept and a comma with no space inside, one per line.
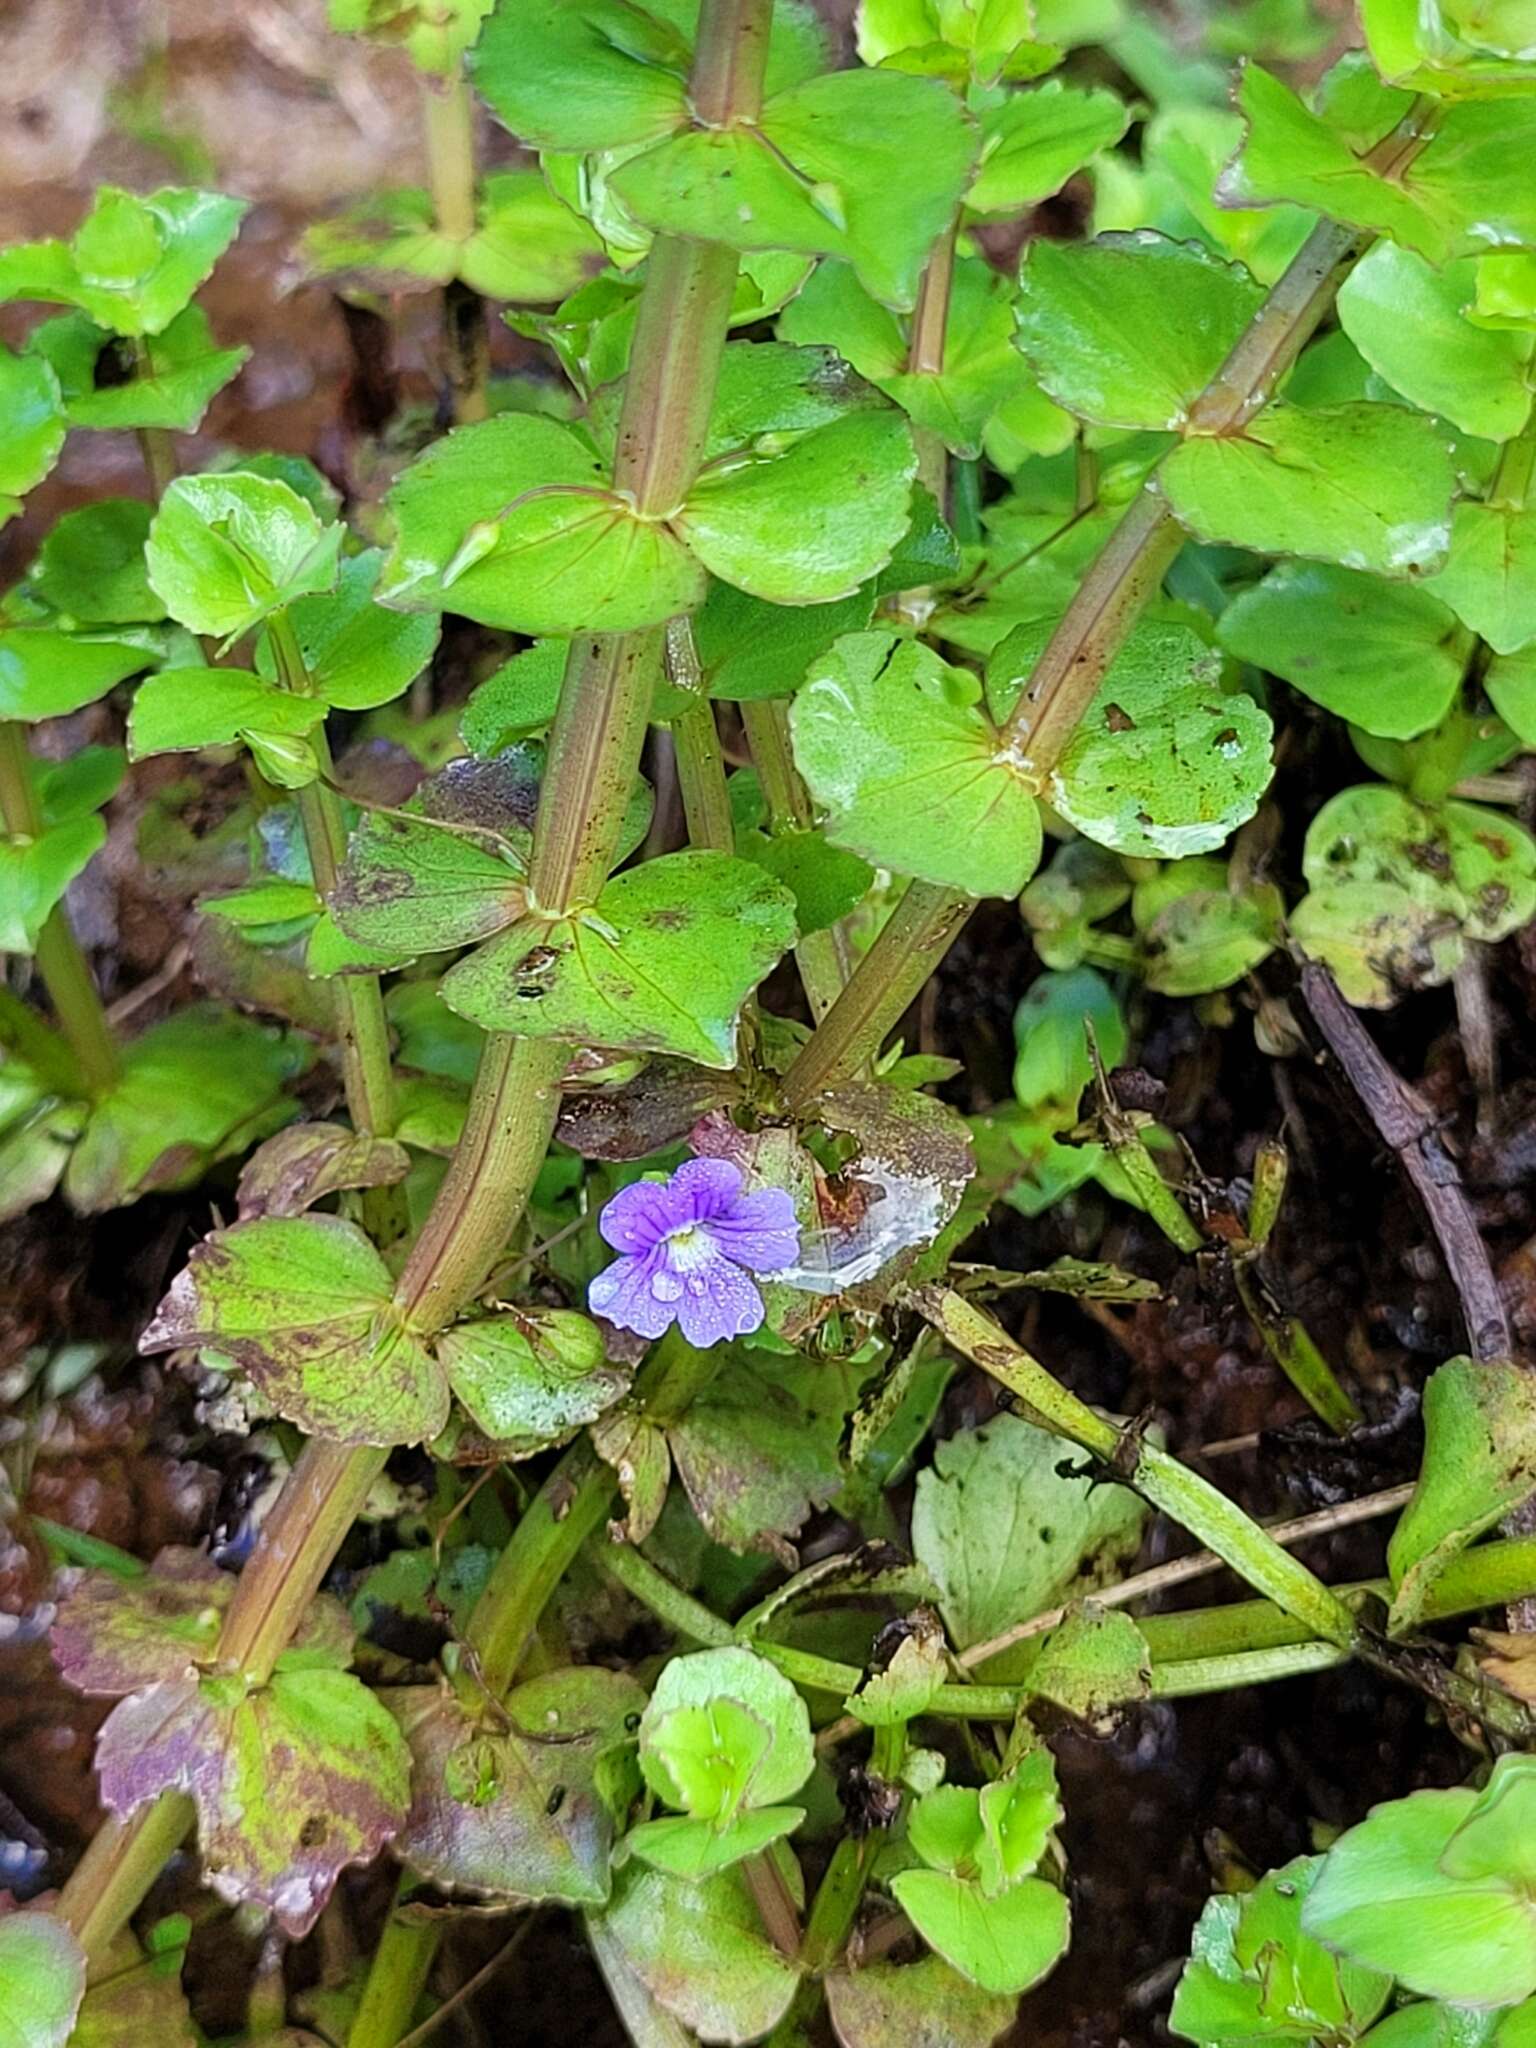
(708,1187)
(639,1216)
(718,1301)
(760,1231)
(626,1294)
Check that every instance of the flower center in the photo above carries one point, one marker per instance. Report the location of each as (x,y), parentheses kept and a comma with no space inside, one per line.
(688,1247)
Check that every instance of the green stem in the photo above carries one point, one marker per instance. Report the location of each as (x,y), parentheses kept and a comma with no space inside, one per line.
(44,1050)
(1243,1667)
(116,1871)
(361,1025)
(775,1906)
(567,1509)
(1193,1502)
(448,120)
(1289,1343)
(323,1497)
(155,443)
(397,1976)
(822,957)
(685,1616)
(507,1129)
(925,357)
(891,975)
(60,962)
(696,738)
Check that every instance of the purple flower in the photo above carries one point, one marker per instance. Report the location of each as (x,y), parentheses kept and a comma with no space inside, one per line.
(689,1245)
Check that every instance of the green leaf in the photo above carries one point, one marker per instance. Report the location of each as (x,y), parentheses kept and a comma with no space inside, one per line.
(959,42)
(307,1162)
(517,701)
(531,1378)
(864,165)
(1092,1666)
(523,1811)
(84,783)
(1183,151)
(48,674)
(1017,1813)
(1253,1976)
(1006,1537)
(32,425)
(702,1756)
(1032,142)
(411,885)
(137,1995)
(193,1089)
(1201,929)
(754,1461)
(1460,196)
(981,365)
(1480,1439)
(1005,1944)
(1093,321)
(37,1133)
(1505,291)
(696,1849)
(358,654)
(292,1781)
(172,385)
(808,523)
(527,245)
(893,742)
(596,74)
(910,1682)
(34,873)
(1389,657)
(1408,321)
(1473,866)
(1367,486)
(512,523)
(42,1981)
(1052,1066)
(1378,939)
(91,566)
(114,1636)
(826,882)
(1417,48)
(700,1951)
(303,1304)
(1384,1901)
(749,649)
(133,262)
(181,710)
(1489,580)
(1510,681)
(1163,763)
(881,2005)
(710,1763)
(224,551)
(662,963)
(1494,1841)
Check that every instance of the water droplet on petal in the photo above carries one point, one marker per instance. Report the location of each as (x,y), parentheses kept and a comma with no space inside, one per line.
(665,1286)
